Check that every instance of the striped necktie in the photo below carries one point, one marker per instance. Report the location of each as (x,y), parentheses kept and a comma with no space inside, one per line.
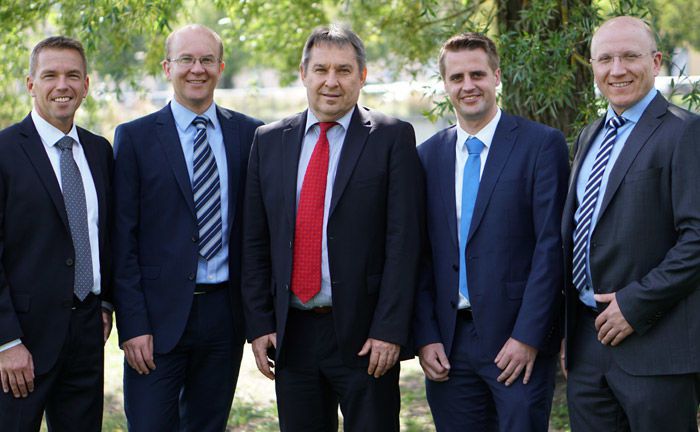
(588,204)
(207,193)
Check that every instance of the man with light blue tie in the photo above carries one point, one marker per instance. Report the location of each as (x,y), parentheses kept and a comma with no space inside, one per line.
(631,233)
(179,179)
(486,308)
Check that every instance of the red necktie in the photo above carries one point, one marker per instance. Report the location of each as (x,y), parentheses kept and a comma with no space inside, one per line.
(306,270)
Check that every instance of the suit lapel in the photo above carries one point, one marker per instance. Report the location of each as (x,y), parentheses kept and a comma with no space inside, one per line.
(584,142)
(93,160)
(355,139)
(446,175)
(233,148)
(166,132)
(292,136)
(501,146)
(650,120)
(37,155)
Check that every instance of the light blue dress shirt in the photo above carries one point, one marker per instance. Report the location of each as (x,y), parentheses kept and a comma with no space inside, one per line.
(632,116)
(336,137)
(216,269)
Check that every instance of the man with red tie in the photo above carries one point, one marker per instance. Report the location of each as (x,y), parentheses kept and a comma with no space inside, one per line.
(331,243)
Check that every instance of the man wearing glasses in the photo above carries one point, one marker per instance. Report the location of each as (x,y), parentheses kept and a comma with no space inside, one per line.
(179,177)
(631,232)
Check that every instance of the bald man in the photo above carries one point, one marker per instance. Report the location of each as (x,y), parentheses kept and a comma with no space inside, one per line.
(179,178)
(631,232)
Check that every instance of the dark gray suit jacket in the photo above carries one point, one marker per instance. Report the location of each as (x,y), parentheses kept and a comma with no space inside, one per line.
(646,242)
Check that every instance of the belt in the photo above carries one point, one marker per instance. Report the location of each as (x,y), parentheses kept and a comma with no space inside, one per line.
(588,311)
(209,288)
(465,314)
(318,310)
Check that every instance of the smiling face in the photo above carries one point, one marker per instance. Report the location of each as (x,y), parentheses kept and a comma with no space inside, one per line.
(471,85)
(58,85)
(626,79)
(193,84)
(333,80)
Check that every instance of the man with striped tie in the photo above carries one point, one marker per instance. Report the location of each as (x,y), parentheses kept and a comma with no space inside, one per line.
(179,176)
(631,232)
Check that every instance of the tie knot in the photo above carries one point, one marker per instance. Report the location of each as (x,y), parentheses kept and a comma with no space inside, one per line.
(200,122)
(474,146)
(325,126)
(616,122)
(65,143)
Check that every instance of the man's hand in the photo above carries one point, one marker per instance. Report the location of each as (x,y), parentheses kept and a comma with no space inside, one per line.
(17,371)
(562,359)
(139,353)
(434,362)
(382,358)
(612,326)
(260,347)
(513,358)
(106,323)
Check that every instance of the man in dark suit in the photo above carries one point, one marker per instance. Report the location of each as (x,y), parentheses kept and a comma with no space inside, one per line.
(179,181)
(54,252)
(486,305)
(631,231)
(332,214)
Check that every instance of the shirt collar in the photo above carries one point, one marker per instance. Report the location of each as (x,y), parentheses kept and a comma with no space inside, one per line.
(633,113)
(183,116)
(485,135)
(344,121)
(49,133)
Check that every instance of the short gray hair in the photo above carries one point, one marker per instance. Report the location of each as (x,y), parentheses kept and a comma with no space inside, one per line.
(338,35)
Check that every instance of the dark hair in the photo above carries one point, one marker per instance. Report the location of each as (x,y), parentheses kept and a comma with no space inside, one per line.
(469,41)
(56,42)
(338,35)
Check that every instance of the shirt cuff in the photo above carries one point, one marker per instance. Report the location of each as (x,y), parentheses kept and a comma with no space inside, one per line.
(107,306)
(10,344)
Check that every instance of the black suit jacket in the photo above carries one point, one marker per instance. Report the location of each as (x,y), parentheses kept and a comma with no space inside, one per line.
(155,230)
(36,249)
(372,232)
(646,242)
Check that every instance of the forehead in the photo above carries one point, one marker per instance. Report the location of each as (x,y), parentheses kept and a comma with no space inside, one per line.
(59,59)
(466,60)
(620,37)
(194,41)
(332,54)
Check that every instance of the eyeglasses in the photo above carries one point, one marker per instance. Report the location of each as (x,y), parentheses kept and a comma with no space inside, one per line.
(627,58)
(186,60)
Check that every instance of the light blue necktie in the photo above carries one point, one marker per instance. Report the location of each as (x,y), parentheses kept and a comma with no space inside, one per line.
(590,198)
(207,192)
(470,187)
(76,209)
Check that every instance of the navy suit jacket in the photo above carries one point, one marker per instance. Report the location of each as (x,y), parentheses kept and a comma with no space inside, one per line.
(373,231)
(645,246)
(513,251)
(155,230)
(36,248)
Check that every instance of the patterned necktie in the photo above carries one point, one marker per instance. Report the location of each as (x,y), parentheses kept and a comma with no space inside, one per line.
(207,192)
(308,232)
(76,209)
(470,188)
(588,204)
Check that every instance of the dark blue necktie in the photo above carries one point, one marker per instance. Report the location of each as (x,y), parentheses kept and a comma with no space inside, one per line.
(207,192)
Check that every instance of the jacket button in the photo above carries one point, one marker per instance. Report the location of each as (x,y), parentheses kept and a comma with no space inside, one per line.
(286,287)
(453,304)
(290,244)
(69,262)
(194,239)
(191,276)
(455,267)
